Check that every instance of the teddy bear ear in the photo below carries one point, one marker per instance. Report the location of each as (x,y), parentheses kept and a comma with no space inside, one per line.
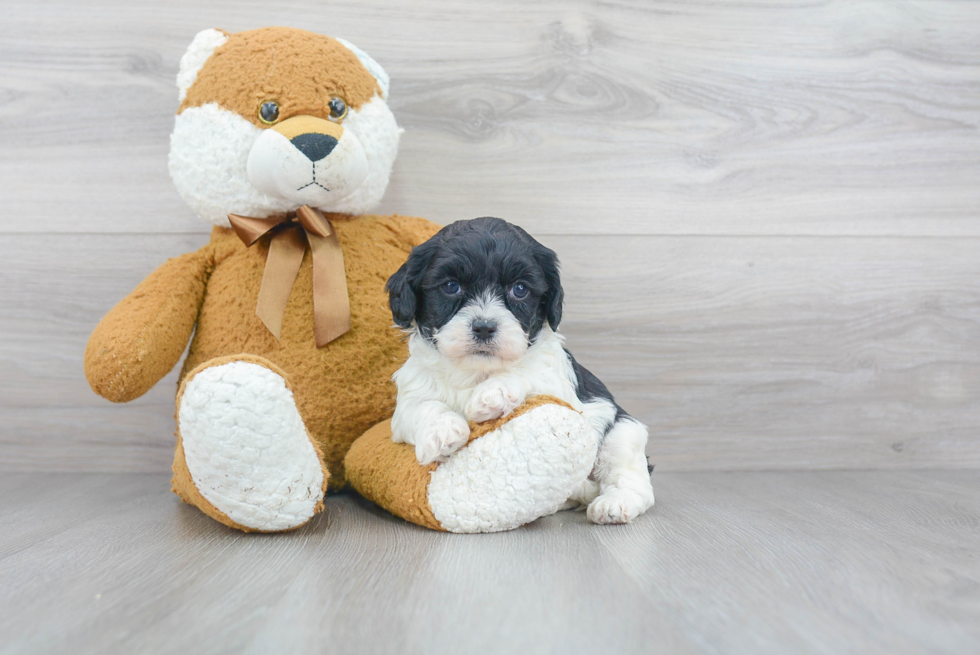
(373,67)
(203,45)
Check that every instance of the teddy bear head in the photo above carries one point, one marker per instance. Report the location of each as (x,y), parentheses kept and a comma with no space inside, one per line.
(276,118)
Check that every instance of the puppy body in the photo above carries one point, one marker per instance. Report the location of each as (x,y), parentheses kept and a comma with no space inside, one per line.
(480,301)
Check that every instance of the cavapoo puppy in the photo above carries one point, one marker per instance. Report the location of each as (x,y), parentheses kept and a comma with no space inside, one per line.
(481,301)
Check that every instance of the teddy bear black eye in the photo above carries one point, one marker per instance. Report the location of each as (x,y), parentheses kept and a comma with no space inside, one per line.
(269,112)
(450,288)
(519,290)
(338,109)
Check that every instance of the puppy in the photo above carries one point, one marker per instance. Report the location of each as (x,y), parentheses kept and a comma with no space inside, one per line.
(481,301)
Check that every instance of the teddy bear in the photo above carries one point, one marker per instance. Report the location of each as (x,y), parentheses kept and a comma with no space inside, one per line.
(293,346)
(284,141)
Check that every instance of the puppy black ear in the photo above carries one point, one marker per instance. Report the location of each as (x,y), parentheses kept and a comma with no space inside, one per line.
(401,297)
(555,296)
(403,286)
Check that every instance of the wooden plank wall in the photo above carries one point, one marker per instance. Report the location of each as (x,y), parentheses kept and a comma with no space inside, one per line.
(767,211)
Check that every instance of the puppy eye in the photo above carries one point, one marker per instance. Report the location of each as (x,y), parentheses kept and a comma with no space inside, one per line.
(338,109)
(269,112)
(519,290)
(450,288)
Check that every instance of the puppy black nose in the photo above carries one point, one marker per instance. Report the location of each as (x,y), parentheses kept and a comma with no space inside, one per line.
(314,146)
(483,329)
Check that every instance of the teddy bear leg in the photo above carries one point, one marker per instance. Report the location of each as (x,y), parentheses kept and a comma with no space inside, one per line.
(524,466)
(244,456)
(514,470)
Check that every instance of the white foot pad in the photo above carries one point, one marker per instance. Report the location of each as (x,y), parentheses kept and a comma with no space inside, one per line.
(524,470)
(247,449)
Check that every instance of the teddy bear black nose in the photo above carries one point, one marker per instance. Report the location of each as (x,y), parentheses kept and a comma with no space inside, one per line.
(314,146)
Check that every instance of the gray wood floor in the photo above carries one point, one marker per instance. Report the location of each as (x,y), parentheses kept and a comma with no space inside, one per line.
(740,562)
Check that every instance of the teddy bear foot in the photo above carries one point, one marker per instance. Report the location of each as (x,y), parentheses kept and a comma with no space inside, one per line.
(514,470)
(244,456)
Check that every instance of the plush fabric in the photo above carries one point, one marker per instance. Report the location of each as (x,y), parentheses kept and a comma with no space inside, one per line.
(223,80)
(302,71)
(264,423)
(341,389)
(512,471)
(197,54)
(387,474)
(143,337)
(244,421)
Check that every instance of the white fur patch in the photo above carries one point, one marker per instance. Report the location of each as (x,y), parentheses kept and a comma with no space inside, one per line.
(497,397)
(429,384)
(209,160)
(374,126)
(456,341)
(278,169)
(520,472)
(201,48)
(444,435)
(625,490)
(247,449)
(208,152)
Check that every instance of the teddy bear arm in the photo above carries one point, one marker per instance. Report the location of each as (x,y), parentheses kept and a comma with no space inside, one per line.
(142,338)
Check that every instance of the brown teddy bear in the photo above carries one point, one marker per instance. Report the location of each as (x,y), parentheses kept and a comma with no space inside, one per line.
(284,141)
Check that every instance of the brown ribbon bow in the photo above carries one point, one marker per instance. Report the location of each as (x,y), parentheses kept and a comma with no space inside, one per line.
(289,236)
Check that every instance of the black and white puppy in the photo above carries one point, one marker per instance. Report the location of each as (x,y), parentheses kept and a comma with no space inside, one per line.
(481,301)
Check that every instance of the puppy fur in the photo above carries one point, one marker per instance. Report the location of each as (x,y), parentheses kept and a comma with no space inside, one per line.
(481,302)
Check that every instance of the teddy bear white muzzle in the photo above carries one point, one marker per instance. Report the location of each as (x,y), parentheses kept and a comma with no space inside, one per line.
(317,166)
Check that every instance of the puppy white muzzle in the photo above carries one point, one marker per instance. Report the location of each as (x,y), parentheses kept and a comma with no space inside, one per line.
(484,335)
(307,160)
(483,329)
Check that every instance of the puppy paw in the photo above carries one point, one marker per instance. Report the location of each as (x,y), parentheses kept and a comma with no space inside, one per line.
(445,435)
(617,506)
(583,496)
(493,399)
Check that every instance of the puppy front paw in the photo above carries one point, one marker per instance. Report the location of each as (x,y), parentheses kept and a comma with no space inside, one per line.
(493,399)
(445,435)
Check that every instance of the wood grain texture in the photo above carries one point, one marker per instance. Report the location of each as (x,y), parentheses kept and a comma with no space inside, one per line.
(569,117)
(738,352)
(787,353)
(767,211)
(810,562)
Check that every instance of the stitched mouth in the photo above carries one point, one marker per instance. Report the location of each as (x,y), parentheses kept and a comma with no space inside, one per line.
(314,181)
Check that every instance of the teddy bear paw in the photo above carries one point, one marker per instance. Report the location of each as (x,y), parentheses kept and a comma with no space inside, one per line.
(493,399)
(445,435)
(246,448)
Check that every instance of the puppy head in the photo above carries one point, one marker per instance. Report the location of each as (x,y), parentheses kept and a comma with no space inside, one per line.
(276,118)
(480,291)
